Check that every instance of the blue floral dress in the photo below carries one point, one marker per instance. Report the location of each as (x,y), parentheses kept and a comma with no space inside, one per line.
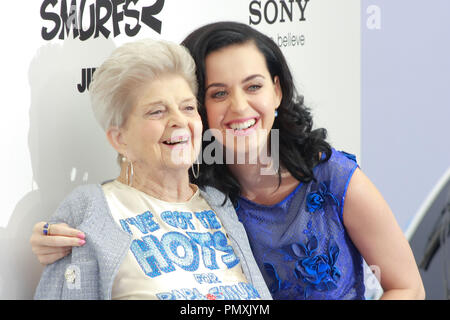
(301,245)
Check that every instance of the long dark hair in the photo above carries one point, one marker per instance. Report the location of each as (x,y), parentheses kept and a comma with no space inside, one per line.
(299,146)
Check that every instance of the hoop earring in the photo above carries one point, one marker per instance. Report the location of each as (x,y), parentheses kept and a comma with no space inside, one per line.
(130,180)
(130,168)
(194,173)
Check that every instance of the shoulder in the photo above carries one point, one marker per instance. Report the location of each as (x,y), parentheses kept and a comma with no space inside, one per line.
(338,169)
(87,191)
(84,195)
(213,196)
(333,177)
(338,161)
(82,200)
(219,202)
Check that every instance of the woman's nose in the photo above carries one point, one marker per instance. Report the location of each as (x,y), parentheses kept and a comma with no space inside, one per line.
(177,119)
(238,102)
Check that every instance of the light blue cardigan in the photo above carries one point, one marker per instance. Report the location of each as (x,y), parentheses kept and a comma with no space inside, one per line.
(89,271)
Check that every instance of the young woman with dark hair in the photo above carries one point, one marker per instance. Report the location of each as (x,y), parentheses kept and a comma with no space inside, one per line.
(299,145)
(311,222)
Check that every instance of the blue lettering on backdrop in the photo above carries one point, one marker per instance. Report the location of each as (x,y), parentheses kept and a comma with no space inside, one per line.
(175,248)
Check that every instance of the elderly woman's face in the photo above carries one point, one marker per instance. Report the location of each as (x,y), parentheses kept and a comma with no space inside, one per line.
(163,131)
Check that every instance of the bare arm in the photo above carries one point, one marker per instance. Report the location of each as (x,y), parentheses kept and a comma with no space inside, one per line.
(373,229)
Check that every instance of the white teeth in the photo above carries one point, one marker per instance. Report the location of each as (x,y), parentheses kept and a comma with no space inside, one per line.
(177,140)
(243,125)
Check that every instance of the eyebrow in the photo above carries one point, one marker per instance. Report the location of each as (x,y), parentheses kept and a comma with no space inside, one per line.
(164,103)
(218,84)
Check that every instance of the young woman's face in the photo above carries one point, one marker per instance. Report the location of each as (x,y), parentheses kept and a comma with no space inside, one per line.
(240,97)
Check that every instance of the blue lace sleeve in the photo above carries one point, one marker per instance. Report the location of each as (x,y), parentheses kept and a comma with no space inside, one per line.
(334,177)
(353,165)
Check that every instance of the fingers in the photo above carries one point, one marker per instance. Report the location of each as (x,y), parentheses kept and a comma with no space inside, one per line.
(61,235)
(58,229)
(56,245)
(52,257)
(63,229)
(42,251)
(58,241)
(38,241)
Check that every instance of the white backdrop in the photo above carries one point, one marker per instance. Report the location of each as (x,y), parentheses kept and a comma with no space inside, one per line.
(49,139)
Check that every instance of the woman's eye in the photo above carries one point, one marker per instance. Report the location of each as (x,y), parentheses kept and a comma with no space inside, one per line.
(190,108)
(154,113)
(254,87)
(219,94)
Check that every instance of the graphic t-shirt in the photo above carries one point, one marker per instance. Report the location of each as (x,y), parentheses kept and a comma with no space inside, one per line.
(179,250)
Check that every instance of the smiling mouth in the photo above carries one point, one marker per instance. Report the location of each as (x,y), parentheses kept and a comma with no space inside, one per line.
(177,141)
(242,125)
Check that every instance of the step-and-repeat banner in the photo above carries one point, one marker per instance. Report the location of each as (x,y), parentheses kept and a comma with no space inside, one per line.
(49,139)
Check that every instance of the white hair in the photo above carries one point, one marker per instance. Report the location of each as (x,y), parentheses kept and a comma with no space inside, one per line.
(129,67)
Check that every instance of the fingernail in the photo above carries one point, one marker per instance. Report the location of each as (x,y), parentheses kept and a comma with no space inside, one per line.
(81,235)
(81,242)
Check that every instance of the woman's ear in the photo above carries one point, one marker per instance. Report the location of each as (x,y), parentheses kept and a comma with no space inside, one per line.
(278,91)
(116,139)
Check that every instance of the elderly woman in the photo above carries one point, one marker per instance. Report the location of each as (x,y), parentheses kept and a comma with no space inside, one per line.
(150,234)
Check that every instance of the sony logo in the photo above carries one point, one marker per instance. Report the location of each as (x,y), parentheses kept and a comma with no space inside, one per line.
(272,11)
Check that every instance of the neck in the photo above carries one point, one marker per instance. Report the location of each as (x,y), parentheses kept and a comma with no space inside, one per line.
(263,188)
(166,185)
